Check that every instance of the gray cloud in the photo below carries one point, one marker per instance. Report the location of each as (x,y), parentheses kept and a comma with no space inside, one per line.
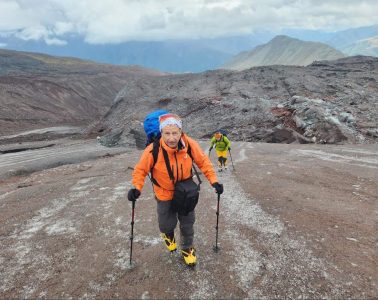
(115,21)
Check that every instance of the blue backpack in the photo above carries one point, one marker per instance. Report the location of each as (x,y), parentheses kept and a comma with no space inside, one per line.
(151,125)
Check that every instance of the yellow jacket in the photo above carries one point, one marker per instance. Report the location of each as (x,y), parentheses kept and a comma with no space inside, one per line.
(181,165)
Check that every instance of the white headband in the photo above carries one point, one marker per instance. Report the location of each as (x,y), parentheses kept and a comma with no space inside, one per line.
(170,121)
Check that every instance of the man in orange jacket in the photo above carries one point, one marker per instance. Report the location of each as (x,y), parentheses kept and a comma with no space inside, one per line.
(175,143)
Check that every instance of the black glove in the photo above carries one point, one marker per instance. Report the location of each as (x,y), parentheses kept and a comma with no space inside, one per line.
(211,148)
(218,187)
(229,148)
(133,194)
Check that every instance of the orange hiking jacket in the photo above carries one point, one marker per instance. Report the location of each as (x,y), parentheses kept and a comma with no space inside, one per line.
(181,164)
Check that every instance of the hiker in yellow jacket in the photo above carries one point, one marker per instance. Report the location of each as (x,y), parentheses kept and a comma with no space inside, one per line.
(222,144)
(178,152)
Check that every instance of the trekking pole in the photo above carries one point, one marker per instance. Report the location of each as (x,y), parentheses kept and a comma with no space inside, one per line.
(216,248)
(132,230)
(231,160)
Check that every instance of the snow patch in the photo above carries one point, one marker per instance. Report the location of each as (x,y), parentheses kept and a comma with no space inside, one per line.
(148,241)
(6,194)
(368,162)
(42,218)
(246,211)
(60,227)
(291,268)
(247,261)
(203,289)
(122,259)
(359,151)
(352,239)
(145,295)
(242,156)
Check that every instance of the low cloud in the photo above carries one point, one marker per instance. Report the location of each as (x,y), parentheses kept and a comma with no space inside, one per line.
(116,21)
(55,42)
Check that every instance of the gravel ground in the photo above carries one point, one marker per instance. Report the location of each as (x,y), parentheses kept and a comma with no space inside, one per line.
(296,221)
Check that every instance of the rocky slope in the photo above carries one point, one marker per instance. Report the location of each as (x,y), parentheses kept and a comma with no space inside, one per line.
(40,90)
(325,102)
(283,50)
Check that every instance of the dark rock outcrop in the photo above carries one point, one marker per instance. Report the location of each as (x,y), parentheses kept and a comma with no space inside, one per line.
(326,102)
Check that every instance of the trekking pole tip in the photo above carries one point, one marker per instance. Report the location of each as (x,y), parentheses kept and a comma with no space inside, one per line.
(132,266)
(216,249)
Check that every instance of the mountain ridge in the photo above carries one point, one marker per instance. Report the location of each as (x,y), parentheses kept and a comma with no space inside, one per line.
(283,50)
(196,55)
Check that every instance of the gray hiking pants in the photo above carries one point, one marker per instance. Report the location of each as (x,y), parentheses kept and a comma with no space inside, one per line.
(168,221)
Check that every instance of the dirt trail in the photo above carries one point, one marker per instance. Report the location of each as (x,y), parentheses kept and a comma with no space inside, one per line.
(297,221)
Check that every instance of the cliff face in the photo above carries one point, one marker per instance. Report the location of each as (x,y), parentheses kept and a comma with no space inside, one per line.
(39,90)
(326,102)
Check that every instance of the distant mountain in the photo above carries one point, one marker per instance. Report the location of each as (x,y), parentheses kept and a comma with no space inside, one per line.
(343,39)
(308,35)
(167,56)
(40,90)
(181,56)
(178,56)
(367,47)
(283,50)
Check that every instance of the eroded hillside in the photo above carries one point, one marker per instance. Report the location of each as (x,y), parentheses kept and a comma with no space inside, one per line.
(40,90)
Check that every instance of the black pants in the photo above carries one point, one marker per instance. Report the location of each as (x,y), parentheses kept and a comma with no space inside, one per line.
(168,221)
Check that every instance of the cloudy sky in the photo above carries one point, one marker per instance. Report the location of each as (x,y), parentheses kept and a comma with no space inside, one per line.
(115,21)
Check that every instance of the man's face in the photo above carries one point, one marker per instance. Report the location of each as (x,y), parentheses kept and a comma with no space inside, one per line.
(171,135)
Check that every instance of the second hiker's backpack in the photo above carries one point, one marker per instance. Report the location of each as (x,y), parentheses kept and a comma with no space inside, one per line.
(224,132)
(151,125)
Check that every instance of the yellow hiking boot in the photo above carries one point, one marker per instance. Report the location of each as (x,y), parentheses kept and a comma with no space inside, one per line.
(170,242)
(189,256)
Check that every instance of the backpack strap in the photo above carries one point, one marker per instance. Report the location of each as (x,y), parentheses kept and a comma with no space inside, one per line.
(193,166)
(155,150)
(155,153)
(166,159)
